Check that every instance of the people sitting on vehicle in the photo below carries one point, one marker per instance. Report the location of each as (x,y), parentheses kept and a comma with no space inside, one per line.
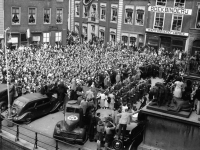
(109,131)
(123,121)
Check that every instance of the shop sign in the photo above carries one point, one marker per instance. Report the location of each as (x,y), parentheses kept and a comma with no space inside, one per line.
(172,10)
(167,32)
(36,38)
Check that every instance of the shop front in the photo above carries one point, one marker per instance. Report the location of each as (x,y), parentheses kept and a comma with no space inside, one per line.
(36,38)
(169,42)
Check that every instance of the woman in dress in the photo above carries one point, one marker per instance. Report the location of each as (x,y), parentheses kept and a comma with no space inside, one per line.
(178,88)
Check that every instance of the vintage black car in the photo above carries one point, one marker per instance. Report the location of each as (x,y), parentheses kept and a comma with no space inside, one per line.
(34,105)
(4,96)
(70,129)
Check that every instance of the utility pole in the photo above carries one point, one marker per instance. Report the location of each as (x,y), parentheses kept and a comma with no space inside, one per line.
(8,90)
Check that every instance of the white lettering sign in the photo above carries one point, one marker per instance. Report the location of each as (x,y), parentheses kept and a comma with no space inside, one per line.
(167,32)
(172,10)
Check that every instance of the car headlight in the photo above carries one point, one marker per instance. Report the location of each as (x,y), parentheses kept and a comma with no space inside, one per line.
(14,111)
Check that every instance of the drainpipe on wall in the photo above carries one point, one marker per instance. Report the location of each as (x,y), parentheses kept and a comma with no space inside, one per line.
(69,16)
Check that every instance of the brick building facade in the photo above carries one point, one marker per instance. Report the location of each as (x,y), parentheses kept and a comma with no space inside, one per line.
(46,20)
(111,20)
(158,23)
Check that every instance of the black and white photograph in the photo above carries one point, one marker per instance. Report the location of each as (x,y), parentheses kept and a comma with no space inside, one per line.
(99,74)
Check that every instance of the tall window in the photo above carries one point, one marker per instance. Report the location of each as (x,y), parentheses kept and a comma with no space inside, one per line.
(139,16)
(102,34)
(58,37)
(177,22)
(85,31)
(128,18)
(59,16)
(47,16)
(103,13)
(161,2)
(85,11)
(179,3)
(93,28)
(125,41)
(198,17)
(113,36)
(32,15)
(16,15)
(77,9)
(132,40)
(159,21)
(77,27)
(93,12)
(114,13)
(46,37)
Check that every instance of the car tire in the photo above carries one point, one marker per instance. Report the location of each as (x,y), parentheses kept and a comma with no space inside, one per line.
(28,121)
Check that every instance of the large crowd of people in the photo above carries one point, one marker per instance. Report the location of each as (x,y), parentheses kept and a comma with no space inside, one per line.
(121,76)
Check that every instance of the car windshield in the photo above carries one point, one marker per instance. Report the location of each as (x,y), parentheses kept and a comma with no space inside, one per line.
(19,103)
(71,109)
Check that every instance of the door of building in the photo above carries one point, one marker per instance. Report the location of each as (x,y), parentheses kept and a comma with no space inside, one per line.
(165,42)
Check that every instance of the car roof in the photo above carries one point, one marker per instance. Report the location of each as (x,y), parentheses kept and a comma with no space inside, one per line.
(73,103)
(3,87)
(31,97)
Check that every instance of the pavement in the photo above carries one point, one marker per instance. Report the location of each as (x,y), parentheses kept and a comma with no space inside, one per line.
(45,127)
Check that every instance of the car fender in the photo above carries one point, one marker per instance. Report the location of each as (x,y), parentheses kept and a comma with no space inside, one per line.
(24,115)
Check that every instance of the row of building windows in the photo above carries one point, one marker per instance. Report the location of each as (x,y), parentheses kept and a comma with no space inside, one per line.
(36,38)
(32,15)
(127,39)
(128,15)
(177,3)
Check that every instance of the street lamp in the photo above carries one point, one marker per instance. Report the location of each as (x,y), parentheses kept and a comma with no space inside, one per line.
(5,50)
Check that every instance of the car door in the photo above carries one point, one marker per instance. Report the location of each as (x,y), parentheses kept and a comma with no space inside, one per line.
(39,108)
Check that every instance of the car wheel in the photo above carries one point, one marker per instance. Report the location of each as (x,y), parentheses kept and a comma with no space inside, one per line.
(3,107)
(28,120)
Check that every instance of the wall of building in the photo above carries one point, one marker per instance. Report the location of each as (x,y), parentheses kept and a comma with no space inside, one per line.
(39,27)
